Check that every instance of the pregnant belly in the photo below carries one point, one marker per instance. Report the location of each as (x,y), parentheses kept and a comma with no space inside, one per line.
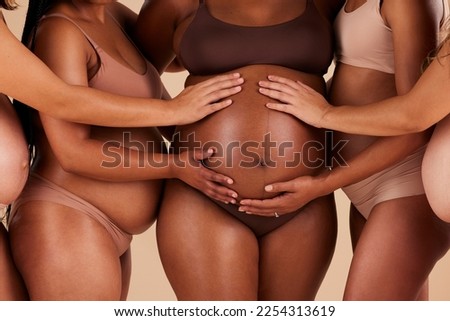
(255,145)
(436,170)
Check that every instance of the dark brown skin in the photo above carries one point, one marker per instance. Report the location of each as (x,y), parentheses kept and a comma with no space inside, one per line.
(207,253)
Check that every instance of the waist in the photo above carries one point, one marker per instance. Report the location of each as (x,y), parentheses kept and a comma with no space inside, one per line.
(130,204)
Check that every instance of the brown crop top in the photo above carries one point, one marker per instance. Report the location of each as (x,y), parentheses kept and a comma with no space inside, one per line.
(211,46)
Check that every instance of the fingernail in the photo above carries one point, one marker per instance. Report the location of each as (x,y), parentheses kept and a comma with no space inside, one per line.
(240,209)
(234,195)
(268,188)
(233,201)
(230,181)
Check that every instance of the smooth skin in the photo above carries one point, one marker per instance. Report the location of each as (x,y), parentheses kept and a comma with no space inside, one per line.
(61,253)
(206,252)
(394,116)
(33,83)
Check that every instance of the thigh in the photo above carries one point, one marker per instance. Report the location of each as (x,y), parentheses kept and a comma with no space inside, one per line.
(11,284)
(13,154)
(125,263)
(296,256)
(399,246)
(63,254)
(356,222)
(207,254)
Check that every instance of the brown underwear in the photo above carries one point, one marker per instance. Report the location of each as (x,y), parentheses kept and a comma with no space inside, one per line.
(41,189)
(260,225)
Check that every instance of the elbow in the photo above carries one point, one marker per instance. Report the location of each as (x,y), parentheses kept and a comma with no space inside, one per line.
(69,164)
(416,125)
(410,124)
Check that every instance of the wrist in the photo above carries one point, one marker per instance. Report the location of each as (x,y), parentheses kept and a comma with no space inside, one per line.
(324,181)
(170,112)
(324,120)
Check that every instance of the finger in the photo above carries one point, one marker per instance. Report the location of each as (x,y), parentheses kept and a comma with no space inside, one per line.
(282,80)
(215,177)
(220,79)
(281,187)
(214,107)
(280,107)
(200,154)
(275,94)
(215,96)
(289,89)
(219,178)
(222,194)
(266,207)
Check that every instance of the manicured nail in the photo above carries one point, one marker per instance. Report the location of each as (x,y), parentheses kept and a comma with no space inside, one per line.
(268,188)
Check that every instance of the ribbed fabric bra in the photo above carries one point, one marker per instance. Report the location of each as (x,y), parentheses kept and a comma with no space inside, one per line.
(212,46)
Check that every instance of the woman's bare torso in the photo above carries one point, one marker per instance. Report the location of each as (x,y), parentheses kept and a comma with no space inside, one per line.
(131,205)
(435,169)
(358,86)
(255,145)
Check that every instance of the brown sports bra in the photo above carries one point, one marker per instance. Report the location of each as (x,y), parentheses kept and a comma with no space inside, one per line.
(211,46)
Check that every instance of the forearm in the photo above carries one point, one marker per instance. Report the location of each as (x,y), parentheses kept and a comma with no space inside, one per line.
(426,104)
(112,162)
(381,154)
(386,118)
(26,78)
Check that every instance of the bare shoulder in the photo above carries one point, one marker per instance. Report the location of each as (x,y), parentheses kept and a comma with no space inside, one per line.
(57,35)
(425,6)
(417,10)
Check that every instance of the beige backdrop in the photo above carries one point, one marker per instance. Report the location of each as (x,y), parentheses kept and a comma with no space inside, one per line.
(148,279)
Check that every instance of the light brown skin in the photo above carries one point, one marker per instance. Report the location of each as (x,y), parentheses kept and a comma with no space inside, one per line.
(61,253)
(207,253)
(407,225)
(13,173)
(35,84)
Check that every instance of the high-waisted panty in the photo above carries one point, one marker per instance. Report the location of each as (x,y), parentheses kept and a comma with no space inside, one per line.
(403,179)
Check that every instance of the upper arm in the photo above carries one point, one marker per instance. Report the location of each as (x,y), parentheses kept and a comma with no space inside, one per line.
(66,51)
(432,91)
(415,26)
(155,28)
